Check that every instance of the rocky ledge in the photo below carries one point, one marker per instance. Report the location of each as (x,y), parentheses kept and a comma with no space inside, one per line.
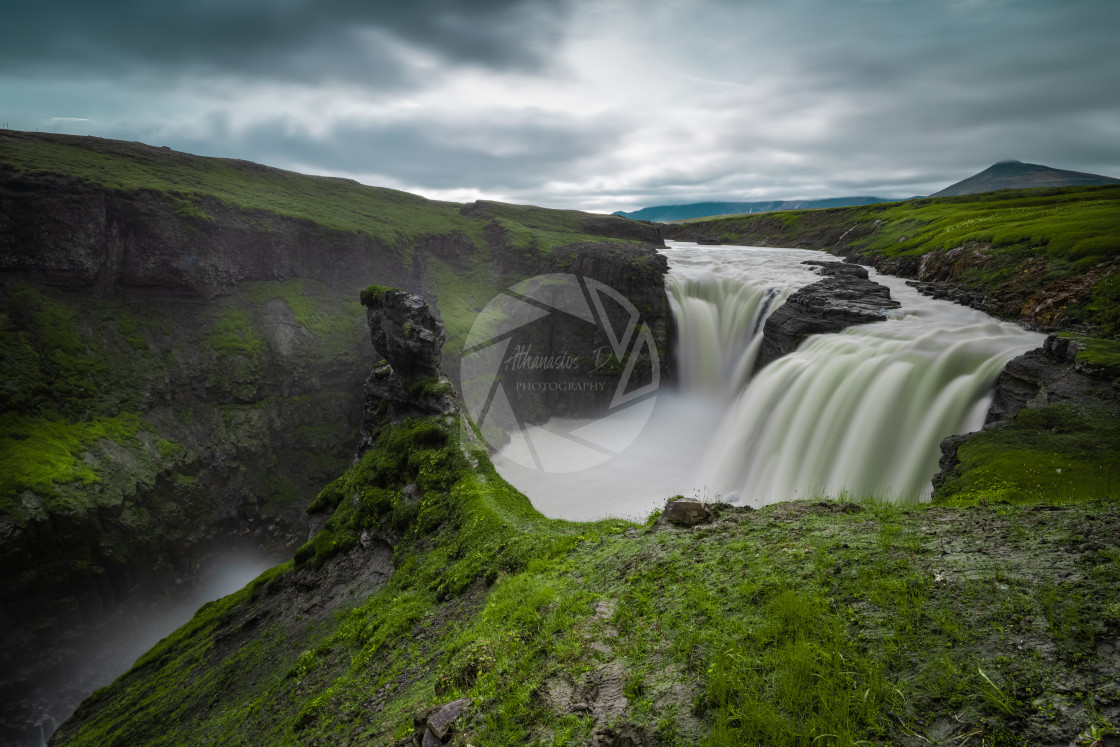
(950,292)
(1050,375)
(846,296)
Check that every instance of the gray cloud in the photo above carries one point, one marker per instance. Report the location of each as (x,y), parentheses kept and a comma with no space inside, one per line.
(291,40)
(587,103)
(434,155)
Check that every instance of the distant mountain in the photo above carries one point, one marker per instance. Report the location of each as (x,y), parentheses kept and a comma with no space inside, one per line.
(1019,175)
(666,213)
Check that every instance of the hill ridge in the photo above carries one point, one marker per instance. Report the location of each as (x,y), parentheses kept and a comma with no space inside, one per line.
(1012,174)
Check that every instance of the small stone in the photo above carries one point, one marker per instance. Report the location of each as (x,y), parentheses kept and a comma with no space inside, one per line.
(440,723)
(686,512)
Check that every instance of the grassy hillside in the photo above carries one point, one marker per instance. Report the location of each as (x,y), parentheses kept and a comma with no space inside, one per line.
(803,623)
(406,225)
(1050,256)
(342,204)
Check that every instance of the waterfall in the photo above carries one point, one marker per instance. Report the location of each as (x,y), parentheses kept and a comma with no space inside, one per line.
(859,413)
(720,300)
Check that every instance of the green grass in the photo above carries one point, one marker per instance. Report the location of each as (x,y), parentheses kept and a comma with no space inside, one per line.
(1057,453)
(1097,352)
(802,623)
(196,183)
(340,204)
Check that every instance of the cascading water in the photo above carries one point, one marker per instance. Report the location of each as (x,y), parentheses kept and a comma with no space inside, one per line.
(719,323)
(861,412)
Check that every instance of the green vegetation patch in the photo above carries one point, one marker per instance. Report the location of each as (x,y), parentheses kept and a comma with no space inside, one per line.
(1095,351)
(1054,454)
(802,623)
(197,185)
(38,454)
(233,333)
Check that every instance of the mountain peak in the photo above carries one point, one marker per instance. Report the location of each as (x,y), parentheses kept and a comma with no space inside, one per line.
(1013,174)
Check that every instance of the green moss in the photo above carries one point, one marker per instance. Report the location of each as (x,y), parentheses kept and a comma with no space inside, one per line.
(1052,454)
(47,364)
(430,387)
(234,333)
(369,495)
(189,209)
(339,327)
(1097,352)
(38,454)
(374,295)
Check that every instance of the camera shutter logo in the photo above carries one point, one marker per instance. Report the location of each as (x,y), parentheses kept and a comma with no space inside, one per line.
(487,353)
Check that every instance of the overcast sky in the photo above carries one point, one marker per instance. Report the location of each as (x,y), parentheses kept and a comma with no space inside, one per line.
(594,104)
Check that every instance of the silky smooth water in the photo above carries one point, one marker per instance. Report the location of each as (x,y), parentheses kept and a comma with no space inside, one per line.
(858,413)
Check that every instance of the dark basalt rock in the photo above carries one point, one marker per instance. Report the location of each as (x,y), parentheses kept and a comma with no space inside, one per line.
(1048,375)
(408,335)
(405,332)
(845,297)
(950,292)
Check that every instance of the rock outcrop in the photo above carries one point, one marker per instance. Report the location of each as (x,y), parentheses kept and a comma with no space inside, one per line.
(1049,375)
(1045,376)
(845,297)
(408,381)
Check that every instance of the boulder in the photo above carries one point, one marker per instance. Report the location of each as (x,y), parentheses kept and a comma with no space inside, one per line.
(686,512)
(434,728)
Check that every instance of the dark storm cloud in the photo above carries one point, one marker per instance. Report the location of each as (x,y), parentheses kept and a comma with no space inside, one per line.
(635,102)
(292,40)
(435,155)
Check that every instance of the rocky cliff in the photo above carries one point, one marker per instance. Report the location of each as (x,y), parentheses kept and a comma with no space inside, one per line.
(1050,429)
(184,352)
